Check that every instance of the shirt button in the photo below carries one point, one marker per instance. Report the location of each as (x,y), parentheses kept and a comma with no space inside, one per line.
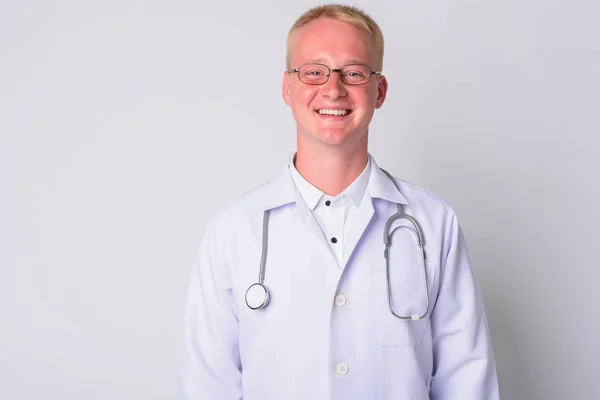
(333,240)
(327,203)
(341,369)
(340,300)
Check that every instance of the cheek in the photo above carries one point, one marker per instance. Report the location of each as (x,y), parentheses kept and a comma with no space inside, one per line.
(302,97)
(370,97)
(364,96)
(301,104)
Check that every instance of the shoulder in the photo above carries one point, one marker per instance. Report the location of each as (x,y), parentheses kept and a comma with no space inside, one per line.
(422,198)
(431,209)
(246,206)
(245,214)
(415,198)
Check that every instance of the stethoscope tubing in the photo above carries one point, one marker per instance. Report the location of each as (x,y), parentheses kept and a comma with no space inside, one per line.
(257,295)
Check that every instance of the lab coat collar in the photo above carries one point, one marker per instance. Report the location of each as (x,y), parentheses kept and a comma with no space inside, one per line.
(281,190)
(381,187)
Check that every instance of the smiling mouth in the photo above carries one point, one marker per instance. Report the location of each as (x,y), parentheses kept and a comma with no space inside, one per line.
(333,112)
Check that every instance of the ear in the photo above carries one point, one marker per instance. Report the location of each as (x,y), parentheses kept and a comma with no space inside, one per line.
(382,87)
(286,87)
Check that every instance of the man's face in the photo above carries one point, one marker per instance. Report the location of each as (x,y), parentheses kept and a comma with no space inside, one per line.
(334,44)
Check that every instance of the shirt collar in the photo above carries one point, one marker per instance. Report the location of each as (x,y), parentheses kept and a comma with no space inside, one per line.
(282,190)
(356,190)
(312,195)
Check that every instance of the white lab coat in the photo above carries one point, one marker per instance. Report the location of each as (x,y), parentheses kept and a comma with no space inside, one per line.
(305,345)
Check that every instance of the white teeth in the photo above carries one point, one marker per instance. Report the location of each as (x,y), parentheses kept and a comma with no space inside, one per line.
(325,111)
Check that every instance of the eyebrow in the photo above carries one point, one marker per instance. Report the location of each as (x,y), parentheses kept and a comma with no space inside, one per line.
(346,62)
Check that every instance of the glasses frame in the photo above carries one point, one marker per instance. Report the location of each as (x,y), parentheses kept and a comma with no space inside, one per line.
(338,70)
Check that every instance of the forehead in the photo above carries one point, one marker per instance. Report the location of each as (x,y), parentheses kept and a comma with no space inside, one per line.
(331,42)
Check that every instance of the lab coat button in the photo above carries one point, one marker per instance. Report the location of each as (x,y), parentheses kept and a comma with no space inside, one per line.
(341,369)
(340,300)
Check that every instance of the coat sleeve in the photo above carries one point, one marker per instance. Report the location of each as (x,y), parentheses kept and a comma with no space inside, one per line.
(210,366)
(463,359)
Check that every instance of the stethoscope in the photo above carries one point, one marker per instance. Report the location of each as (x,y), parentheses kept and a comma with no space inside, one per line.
(257,295)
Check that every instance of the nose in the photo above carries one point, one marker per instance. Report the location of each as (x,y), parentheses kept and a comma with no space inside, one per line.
(334,87)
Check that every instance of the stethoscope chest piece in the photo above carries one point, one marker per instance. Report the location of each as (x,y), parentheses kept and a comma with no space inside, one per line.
(257,296)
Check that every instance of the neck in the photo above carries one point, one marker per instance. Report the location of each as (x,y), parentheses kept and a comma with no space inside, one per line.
(331,170)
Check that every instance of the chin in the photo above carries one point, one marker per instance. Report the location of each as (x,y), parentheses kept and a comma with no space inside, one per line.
(333,138)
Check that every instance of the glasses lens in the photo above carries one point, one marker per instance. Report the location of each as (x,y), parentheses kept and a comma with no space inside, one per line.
(355,74)
(313,74)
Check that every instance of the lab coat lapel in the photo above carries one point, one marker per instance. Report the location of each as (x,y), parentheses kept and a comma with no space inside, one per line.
(308,218)
(359,225)
(280,191)
(381,187)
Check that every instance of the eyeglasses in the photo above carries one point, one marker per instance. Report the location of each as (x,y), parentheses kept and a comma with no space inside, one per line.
(318,74)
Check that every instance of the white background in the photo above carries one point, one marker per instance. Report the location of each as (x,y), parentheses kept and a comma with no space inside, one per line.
(125,124)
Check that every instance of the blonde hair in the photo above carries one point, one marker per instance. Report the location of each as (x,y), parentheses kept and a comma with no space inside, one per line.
(343,13)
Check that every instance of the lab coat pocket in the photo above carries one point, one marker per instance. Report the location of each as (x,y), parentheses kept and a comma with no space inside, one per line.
(406,299)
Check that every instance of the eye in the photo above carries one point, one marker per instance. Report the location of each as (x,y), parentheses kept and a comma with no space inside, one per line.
(313,72)
(355,74)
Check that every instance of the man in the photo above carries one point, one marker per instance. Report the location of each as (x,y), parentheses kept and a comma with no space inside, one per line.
(319,322)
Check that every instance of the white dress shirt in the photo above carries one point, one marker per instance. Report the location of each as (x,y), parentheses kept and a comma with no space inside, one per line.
(327,332)
(334,214)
